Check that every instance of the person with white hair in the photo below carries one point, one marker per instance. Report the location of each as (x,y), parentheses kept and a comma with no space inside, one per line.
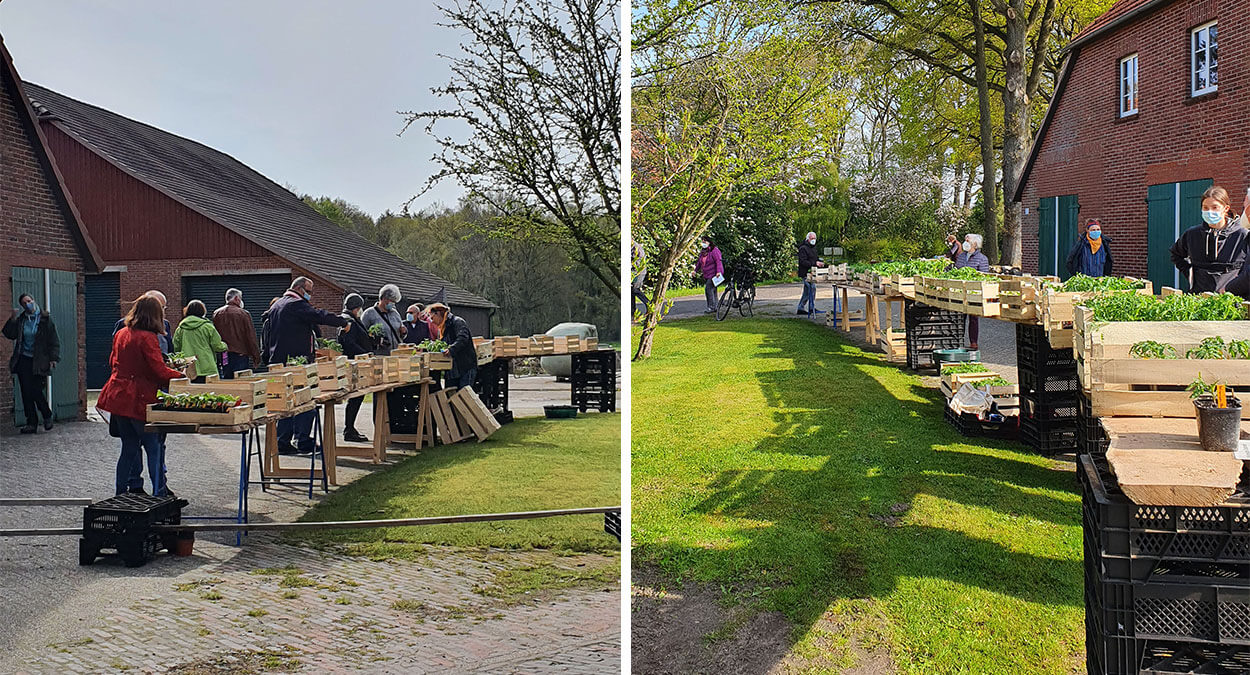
(385,313)
(165,339)
(234,323)
(808,260)
(974,258)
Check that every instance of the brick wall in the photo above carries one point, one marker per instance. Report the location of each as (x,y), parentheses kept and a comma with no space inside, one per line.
(1109,162)
(33,233)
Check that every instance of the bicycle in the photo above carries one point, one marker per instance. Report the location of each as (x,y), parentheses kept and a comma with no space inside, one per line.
(739,292)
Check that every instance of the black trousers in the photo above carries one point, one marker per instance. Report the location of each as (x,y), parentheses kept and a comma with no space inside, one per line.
(32,386)
(353,408)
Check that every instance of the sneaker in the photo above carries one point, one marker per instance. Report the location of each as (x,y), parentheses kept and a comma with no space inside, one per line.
(29,429)
(800,312)
(47,425)
(136,491)
(353,436)
(709,311)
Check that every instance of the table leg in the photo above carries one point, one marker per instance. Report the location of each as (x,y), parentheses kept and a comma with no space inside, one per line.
(423,411)
(241,515)
(271,447)
(381,434)
(846,314)
(329,444)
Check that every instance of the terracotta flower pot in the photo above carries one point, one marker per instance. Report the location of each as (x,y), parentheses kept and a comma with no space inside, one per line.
(184,545)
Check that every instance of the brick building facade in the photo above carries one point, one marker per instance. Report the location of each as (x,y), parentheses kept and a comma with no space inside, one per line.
(40,234)
(1149,111)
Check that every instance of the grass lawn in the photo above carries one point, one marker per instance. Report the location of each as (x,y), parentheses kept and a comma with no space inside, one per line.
(683,292)
(529,465)
(798,473)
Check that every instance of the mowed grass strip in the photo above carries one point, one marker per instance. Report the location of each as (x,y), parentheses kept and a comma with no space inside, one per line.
(776,461)
(529,465)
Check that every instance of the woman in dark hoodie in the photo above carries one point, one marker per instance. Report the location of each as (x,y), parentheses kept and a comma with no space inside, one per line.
(1210,255)
(36,351)
(355,342)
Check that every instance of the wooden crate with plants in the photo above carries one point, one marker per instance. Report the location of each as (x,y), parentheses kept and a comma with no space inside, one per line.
(1019,298)
(203,408)
(1140,355)
(333,374)
(306,374)
(955,374)
(1058,302)
(976,294)
(251,392)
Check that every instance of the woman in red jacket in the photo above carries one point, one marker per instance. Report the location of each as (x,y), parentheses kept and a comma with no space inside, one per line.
(139,372)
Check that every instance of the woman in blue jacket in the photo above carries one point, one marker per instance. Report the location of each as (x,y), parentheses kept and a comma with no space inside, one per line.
(1091,254)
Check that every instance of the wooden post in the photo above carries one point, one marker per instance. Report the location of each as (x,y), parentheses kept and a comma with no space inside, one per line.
(271,446)
(329,443)
(382,430)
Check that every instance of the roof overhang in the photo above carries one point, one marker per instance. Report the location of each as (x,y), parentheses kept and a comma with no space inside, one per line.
(91,257)
(1127,17)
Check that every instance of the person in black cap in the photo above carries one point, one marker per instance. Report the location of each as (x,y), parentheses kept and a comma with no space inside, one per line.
(355,342)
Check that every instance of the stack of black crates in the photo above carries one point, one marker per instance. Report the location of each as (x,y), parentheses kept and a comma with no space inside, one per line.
(1049,392)
(930,329)
(1167,588)
(491,384)
(593,380)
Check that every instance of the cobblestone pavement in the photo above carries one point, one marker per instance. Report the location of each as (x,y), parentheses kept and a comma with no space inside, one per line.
(424,615)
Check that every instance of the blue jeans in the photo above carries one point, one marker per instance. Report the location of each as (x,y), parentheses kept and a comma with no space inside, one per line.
(809,296)
(709,292)
(460,380)
(298,431)
(235,363)
(135,442)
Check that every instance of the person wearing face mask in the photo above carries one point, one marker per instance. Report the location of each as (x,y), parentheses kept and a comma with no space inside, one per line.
(356,341)
(974,258)
(808,260)
(953,248)
(1211,255)
(36,351)
(1091,254)
(293,323)
(166,339)
(709,266)
(234,323)
(385,313)
(459,341)
(416,325)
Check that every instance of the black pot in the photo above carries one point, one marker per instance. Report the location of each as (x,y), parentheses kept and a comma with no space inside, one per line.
(1219,429)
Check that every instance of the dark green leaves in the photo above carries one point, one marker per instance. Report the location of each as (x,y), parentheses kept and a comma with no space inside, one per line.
(1137,307)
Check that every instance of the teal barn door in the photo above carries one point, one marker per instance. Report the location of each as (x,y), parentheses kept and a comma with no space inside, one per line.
(63,305)
(1069,213)
(1046,232)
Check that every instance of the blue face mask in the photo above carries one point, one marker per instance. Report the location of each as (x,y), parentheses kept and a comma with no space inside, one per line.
(308,296)
(409,317)
(1212,217)
(1095,234)
(30,307)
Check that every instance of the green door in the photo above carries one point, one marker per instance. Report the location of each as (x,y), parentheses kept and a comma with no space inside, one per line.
(1068,214)
(26,281)
(1171,208)
(63,305)
(1046,232)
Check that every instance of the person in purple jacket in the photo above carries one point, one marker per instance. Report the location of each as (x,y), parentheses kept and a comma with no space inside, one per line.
(709,265)
(974,258)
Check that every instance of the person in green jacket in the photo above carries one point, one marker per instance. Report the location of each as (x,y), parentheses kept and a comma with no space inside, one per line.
(196,336)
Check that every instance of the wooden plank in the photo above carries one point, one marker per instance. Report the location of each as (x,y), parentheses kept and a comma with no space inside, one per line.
(1160,462)
(237,415)
(467,416)
(488,419)
(448,430)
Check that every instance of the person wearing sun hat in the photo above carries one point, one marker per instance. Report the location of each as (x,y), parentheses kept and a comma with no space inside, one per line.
(459,339)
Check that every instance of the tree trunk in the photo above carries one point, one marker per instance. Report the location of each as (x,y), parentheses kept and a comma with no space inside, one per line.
(1016,124)
(656,309)
(988,194)
(972,181)
(957,183)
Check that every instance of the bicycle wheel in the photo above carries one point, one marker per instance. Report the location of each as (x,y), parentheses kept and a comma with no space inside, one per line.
(746,301)
(726,301)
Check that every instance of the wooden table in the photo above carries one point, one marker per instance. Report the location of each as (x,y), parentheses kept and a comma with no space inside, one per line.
(847,322)
(1158,461)
(382,437)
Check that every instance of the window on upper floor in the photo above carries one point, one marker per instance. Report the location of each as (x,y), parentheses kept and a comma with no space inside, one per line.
(1128,85)
(1203,61)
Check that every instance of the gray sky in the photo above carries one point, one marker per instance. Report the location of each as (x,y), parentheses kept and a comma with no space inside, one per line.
(303,91)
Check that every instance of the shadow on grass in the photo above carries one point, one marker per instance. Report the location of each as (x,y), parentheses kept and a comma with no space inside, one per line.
(843,530)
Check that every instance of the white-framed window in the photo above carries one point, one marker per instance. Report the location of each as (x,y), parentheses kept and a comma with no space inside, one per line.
(1128,85)
(1203,61)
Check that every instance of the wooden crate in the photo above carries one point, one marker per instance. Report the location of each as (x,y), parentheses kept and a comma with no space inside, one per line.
(444,415)
(590,344)
(1019,298)
(280,390)
(334,374)
(954,380)
(437,361)
(240,414)
(897,285)
(306,375)
(1058,312)
(472,415)
(365,372)
(412,367)
(1006,397)
(486,350)
(838,272)
(1120,385)
(541,345)
(250,392)
(508,346)
(404,349)
(977,298)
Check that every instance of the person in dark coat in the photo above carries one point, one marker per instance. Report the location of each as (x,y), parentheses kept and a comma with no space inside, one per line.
(292,331)
(459,339)
(355,341)
(416,325)
(952,248)
(1211,255)
(1091,254)
(36,351)
(974,258)
(138,373)
(807,260)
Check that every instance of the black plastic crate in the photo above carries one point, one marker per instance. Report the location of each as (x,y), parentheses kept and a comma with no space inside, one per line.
(1091,437)
(1048,412)
(1048,438)
(1110,655)
(1160,610)
(404,404)
(971,426)
(123,523)
(491,384)
(919,314)
(920,350)
(612,523)
(1056,384)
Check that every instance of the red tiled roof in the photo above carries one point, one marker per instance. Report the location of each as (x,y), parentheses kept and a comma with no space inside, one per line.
(1117,11)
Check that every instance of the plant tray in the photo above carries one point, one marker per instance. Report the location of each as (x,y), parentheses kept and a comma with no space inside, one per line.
(1120,385)
(241,414)
(977,298)
(250,392)
(1059,312)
